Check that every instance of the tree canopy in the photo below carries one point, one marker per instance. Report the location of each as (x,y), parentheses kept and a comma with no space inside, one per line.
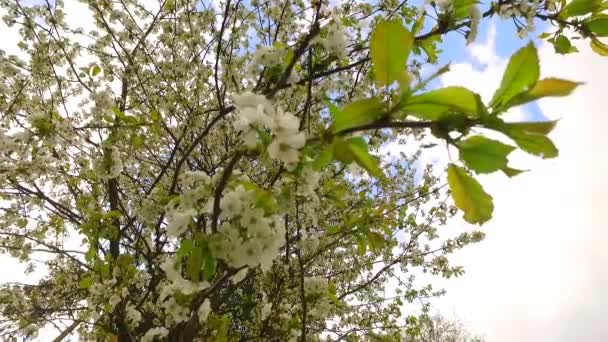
(216,170)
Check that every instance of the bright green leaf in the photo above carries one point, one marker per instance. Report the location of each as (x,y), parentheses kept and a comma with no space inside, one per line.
(86,282)
(554,87)
(324,158)
(562,44)
(360,153)
(462,8)
(434,104)
(579,7)
(342,152)
(538,127)
(195,263)
(185,248)
(484,155)
(599,47)
(521,74)
(209,267)
(361,245)
(533,143)
(356,114)
(469,196)
(390,45)
(95,70)
(510,172)
(376,241)
(598,25)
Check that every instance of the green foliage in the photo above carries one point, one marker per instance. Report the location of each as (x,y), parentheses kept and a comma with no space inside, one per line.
(579,8)
(356,149)
(533,143)
(356,114)
(390,45)
(521,74)
(469,196)
(554,87)
(484,155)
(219,181)
(598,24)
(433,105)
(562,45)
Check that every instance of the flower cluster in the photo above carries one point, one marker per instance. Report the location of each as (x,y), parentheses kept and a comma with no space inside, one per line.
(155,332)
(524,9)
(247,237)
(316,290)
(204,310)
(475,14)
(335,40)
(265,57)
(176,312)
(255,112)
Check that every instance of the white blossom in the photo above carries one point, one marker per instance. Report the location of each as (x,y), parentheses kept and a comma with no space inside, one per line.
(475,14)
(204,310)
(155,332)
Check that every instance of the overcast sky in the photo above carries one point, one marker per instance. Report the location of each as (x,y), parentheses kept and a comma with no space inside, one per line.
(542,272)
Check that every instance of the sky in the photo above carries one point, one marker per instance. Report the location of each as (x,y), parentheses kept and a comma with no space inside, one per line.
(542,272)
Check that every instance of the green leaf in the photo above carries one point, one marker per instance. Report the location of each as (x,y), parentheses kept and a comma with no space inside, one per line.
(484,155)
(209,267)
(86,282)
(185,248)
(324,158)
(533,143)
(358,148)
(562,45)
(554,87)
(521,74)
(429,46)
(95,70)
(469,196)
(376,241)
(538,127)
(195,263)
(436,74)
(390,45)
(361,245)
(356,114)
(599,47)
(462,8)
(510,172)
(598,25)
(434,104)
(579,7)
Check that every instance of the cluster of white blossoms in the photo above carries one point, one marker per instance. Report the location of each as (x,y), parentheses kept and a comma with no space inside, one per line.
(335,41)
(176,312)
(109,166)
(265,57)
(247,237)
(255,112)
(316,290)
(151,334)
(475,15)
(204,310)
(522,8)
(183,209)
(133,316)
(315,286)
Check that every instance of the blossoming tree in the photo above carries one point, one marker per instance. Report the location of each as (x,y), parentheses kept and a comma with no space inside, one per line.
(184,169)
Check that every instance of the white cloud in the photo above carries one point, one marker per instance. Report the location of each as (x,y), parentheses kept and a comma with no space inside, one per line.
(541,273)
